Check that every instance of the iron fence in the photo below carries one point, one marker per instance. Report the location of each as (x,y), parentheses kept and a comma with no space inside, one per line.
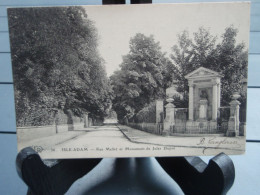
(155,128)
(223,113)
(242,114)
(198,129)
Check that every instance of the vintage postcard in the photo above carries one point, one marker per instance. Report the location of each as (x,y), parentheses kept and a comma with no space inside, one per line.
(131,80)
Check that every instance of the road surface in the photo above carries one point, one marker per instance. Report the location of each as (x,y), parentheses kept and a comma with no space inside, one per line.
(122,141)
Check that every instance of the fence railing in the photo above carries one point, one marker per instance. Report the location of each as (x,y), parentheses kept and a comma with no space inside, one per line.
(155,128)
(198,129)
(181,114)
(223,113)
(242,114)
(182,127)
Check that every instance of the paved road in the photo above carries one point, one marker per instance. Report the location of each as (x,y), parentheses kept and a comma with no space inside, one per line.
(111,141)
(100,141)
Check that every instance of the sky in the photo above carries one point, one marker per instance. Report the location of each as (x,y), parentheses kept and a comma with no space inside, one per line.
(117,24)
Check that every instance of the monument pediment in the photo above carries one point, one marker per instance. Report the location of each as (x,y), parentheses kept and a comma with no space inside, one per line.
(202,72)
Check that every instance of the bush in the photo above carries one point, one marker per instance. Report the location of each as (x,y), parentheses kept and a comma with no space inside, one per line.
(147,114)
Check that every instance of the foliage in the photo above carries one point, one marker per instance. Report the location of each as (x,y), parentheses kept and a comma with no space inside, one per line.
(226,57)
(147,114)
(141,78)
(56,61)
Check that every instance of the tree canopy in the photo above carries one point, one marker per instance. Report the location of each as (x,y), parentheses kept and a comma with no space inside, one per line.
(141,78)
(225,56)
(146,72)
(56,61)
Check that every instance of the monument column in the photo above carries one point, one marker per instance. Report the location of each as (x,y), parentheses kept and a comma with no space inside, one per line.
(219,94)
(215,101)
(191,114)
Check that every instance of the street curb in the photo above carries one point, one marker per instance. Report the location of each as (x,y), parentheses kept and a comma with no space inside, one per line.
(126,135)
(182,146)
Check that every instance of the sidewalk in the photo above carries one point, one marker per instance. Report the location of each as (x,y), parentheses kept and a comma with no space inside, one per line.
(214,142)
(86,135)
(51,141)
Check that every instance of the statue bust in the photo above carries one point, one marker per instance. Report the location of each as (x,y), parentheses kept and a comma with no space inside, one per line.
(203,94)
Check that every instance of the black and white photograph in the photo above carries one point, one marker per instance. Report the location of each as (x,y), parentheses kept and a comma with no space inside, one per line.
(130,80)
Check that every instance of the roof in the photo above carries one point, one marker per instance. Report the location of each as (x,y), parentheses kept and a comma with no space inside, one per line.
(202,72)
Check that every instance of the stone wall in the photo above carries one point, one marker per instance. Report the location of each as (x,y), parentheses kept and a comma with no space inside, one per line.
(30,133)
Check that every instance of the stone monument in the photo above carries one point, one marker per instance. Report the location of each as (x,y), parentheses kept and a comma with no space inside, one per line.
(203,109)
(204,97)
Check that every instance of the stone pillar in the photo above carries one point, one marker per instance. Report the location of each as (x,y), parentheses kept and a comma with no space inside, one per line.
(86,124)
(215,102)
(169,119)
(191,112)
(219,94)
(203,109)
(233,123)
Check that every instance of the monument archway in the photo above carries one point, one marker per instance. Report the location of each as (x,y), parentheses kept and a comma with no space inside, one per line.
(204,94)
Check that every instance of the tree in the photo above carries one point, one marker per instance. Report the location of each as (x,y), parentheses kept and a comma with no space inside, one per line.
(182,62)
(141,78)
(203,46)
(227,57)
(232,62)
(56,61)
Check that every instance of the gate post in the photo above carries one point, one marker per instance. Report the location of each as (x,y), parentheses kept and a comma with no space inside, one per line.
(86,122)
(233,123)
(169,119)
